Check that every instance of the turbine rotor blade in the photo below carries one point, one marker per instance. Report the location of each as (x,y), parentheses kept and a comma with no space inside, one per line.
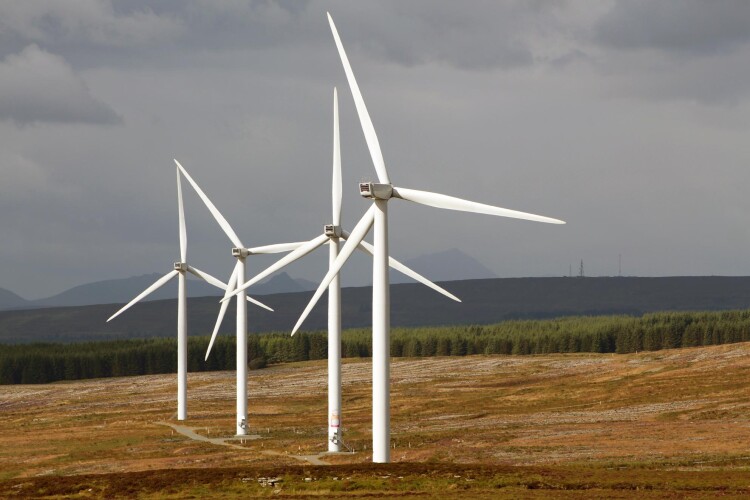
(398,266)
(183,231)
(453,203)
(257,303)
(207,278)
(301,251)
(336,190)
(357,235)
(223,309)
(277,248)
(157,284)
(218,284)
(212,208)
(232,281)
(222,312)
(364,117)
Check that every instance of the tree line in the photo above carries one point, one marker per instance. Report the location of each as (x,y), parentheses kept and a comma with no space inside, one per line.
(49,362)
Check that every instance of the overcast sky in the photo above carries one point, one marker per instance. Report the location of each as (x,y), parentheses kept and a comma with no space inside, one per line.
(629,120)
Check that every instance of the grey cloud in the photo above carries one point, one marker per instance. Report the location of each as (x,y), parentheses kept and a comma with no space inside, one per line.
(540,117)
(689,26)
(453,34)
(36,86)
(24,179)
(403,33)
(91,32)
(85,21)
(104,33)
(662,51)
(722,80)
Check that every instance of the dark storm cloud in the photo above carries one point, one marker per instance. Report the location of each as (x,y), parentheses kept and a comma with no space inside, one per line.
(101,32)
(84,22)
(36,86)
(479,35)
(688,27)
(722,80)
(619,121)
(473,36)
(87,33)
(673,51)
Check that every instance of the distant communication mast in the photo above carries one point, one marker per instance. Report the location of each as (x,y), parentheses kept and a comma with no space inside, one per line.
(580,272)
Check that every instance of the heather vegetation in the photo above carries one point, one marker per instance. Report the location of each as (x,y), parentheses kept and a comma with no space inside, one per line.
(40,363)
(662,424)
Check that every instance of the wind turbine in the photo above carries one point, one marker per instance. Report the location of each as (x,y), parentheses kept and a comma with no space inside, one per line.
(332,233)
(238,275)
(380,193)
(180,268)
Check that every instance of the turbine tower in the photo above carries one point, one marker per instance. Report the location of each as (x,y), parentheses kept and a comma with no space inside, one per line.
(332,233)
(180,268)
(238,276)
(380,193)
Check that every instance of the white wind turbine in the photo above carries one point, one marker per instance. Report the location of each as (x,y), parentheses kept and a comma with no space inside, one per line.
(381,193)
(180,268)
(238,275)
(331,235)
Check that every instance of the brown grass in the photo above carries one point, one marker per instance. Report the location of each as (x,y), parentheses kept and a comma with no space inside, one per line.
(666,422)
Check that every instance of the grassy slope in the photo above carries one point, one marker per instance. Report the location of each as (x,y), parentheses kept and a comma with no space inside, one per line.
(668,423)
(484,302)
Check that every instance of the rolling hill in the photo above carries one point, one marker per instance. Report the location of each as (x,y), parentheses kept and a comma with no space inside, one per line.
(449,265)
(122,290)
(484,301)
(9,300)
(441,266)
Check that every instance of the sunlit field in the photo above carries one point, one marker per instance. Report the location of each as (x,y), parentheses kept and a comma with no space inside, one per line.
(664,424)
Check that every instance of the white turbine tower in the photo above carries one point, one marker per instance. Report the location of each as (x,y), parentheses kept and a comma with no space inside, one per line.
(381,193)
(238,276)
(180,268)
(331,235)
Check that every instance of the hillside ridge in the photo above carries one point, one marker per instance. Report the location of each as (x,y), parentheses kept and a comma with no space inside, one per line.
(484,302)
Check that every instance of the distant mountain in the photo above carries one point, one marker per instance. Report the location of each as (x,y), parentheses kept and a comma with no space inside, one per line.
(306,285)
(450,265)
(278,283)
(412,304)
(9,300)
(120,291)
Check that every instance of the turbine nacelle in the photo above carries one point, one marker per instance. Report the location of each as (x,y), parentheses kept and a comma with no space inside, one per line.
(240,252)
(332,231)
(376,191)
(181,266)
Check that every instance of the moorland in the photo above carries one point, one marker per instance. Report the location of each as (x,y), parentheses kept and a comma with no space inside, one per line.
(671,423)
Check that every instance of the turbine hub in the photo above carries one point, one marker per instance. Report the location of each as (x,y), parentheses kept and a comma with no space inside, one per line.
(240,252)
(180,266)
(332,231)
(376,191)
